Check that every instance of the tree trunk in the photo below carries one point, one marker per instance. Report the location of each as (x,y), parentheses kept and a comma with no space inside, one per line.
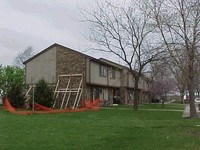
(182,99)
(163,100)
(182,96)
(193,113)
(198,93)
(136,94)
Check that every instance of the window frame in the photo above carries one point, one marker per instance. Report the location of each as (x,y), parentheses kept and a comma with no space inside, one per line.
(102,70)
(113,73)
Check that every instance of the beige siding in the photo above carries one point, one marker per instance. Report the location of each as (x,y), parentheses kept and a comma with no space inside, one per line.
(130,81)
(94,74)
(144,84)
(114,82)
(95,77)
(87,70)
(141,83)
(43,66)
(124,78)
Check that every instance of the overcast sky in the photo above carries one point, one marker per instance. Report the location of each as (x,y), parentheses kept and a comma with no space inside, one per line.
(40,23)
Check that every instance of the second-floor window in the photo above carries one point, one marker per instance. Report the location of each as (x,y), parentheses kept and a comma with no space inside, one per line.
(113,74)
(102,71)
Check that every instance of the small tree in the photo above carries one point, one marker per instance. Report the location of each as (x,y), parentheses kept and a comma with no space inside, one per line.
(43,93)
(12,84)
(16,95)
(161,87)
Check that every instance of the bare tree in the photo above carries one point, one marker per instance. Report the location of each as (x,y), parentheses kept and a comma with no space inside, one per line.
(178,23)
(180,77)
(124,30)
(162,86)
(23,56)
(163,83)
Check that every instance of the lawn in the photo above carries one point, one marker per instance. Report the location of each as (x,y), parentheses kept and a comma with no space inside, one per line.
(105,129)
(173,106)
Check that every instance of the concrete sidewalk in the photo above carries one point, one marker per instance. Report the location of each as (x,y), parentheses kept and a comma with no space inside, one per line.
(186,112)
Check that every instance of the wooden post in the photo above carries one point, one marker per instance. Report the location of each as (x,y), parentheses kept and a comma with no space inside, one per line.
(33,102)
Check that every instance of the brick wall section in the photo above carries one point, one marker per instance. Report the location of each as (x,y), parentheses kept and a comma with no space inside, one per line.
(71,62)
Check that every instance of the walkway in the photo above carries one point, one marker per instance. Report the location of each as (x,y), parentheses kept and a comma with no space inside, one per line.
(186,112)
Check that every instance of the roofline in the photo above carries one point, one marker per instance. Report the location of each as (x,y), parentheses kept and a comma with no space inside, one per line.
(58,45)
(90,57)
(125,67)
(111,63)
(100,60)
(43,51)
(122,66)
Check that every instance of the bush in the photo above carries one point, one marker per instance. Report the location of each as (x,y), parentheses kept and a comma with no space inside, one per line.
(43,93)
(16,95)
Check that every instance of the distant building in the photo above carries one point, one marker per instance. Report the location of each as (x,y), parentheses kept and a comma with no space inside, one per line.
(109,81)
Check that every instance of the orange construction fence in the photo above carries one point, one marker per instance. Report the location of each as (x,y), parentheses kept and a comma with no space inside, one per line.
(39,109)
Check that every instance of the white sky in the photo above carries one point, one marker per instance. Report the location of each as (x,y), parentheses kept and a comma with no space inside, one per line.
(41,23)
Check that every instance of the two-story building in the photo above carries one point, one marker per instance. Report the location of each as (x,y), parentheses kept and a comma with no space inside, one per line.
(109,81)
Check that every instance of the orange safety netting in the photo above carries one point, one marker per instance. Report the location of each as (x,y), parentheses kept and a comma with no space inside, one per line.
(39,109)
(11,109)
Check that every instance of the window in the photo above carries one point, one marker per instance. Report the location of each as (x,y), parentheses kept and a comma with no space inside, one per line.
(113,74)
(102,71)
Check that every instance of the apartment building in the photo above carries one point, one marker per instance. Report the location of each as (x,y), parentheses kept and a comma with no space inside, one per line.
(109,81)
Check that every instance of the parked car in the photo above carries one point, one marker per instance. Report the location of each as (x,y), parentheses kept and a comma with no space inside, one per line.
(155,100)
(116,100)
(197,100)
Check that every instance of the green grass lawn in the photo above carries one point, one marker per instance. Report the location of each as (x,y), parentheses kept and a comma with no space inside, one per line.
(170,106)
(118,129)
(173,106)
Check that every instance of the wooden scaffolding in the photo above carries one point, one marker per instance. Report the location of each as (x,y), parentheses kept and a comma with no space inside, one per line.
(68,91)
(29,94)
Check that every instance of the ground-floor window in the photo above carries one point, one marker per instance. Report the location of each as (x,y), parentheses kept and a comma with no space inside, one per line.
(110,95)
(130,97)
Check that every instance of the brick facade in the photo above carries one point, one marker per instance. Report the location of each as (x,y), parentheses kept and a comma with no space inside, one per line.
(72,62)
